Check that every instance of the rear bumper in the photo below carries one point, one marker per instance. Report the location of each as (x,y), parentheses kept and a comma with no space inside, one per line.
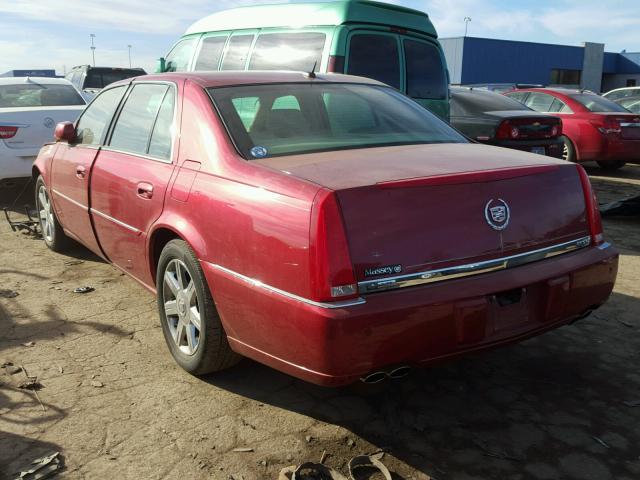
(13,164)
(553,148)
(617,149)
(413,326)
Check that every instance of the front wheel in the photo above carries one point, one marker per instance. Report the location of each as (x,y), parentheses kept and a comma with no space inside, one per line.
(611,166)
(190,322)
(52,232)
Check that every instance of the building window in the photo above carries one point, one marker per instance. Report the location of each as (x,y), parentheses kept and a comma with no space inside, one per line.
(565,77)
(631,82)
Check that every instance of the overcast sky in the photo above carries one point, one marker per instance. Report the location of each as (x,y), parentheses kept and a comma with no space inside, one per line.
(53,34)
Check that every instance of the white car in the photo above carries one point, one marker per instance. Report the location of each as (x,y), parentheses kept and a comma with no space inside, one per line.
(30,108)
(620,93)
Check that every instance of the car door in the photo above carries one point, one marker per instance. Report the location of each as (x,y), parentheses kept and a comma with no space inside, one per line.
(71,167)
(130,177)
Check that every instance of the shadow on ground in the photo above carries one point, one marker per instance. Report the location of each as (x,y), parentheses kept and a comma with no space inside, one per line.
(550,407)
(16,446)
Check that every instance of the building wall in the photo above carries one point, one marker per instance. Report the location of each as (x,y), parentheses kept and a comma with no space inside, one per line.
(492,61)
(453,52)
(609,82)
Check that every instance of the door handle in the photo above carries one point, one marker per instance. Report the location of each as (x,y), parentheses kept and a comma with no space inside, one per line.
(145,190)
(81,171)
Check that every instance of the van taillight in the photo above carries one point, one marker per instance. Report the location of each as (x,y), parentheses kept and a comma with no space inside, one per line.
(332,276)
(8,132)
(591,205)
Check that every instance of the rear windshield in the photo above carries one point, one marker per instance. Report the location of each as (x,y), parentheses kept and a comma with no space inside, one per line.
(282,119)
(474,102)
(100,78)
(596,103)
(38,95)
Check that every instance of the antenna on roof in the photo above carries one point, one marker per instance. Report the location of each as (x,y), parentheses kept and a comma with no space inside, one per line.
(312,73)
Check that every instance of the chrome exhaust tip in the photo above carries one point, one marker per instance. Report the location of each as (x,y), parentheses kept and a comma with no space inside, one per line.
(399,372)
(375,377)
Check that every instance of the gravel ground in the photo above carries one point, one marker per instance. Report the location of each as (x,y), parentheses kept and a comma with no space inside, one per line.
(116,406)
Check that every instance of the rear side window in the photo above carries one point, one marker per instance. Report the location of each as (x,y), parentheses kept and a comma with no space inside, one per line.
(38,95)
(558,106)
(288,51)
(210,53)
(95,120)
(179,57)
(162,135)
(237,52)
(137,118)
(540,102)
(375,56)
(425,71)
(247,108)
(519,96)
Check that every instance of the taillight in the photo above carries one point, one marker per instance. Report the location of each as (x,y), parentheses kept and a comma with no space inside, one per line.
(507,131)
(609,125)
(7,132)
(591,205)
(332,276)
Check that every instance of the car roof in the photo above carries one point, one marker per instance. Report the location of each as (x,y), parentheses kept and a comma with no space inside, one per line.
(316,14)
(254,77)
(42,80)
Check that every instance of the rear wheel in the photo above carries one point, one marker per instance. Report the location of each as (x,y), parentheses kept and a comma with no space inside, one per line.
(52,232)
(568,150)
(611,166)
(190,322)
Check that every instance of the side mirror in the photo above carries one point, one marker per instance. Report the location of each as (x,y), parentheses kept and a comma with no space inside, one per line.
(65,132)
(161,64)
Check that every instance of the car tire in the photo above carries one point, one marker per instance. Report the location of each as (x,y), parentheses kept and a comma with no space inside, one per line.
(568,150)
(190,321)
(52,232)
(612,165)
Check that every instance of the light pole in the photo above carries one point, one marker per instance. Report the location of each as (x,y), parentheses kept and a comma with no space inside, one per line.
(466,25)
(93,48)
(129,47)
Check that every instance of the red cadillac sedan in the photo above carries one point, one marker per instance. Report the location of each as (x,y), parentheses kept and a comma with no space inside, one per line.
(594,127)
(324,225)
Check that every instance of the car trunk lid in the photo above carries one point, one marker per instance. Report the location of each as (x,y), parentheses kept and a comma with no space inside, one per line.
(33,127)
(420,208)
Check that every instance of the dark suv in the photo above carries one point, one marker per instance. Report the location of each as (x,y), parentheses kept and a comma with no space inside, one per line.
(90,80)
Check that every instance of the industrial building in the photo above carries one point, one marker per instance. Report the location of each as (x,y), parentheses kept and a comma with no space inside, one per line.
(473,60)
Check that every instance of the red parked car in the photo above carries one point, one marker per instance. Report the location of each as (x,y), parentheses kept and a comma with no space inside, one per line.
(324,225)
(594,127)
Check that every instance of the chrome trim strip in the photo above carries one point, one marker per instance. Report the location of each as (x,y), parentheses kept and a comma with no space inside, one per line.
(259,284)
(627,125)
(117,222)
(449,273)
(71,200)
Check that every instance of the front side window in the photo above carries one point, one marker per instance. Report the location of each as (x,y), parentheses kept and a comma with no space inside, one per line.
(288,51)
(425,72)
(596,103)
(310,117)
(519,96)
(237,52)
(133,127)
(34,94)
(210,53)
(375,56)
(179,58)
(95,120)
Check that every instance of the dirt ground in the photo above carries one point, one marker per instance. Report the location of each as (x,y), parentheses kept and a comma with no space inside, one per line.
(115,404)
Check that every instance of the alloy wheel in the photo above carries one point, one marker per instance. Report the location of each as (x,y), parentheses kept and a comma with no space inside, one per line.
(181,307)
(46,214)
(565,152)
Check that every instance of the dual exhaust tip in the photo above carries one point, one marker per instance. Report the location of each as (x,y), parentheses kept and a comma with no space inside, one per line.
(377,377)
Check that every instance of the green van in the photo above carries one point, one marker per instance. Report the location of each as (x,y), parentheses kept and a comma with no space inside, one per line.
(395,45)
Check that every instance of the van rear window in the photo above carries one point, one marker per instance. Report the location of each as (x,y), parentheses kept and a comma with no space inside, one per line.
(375,56)
(288,51)
(425,71)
